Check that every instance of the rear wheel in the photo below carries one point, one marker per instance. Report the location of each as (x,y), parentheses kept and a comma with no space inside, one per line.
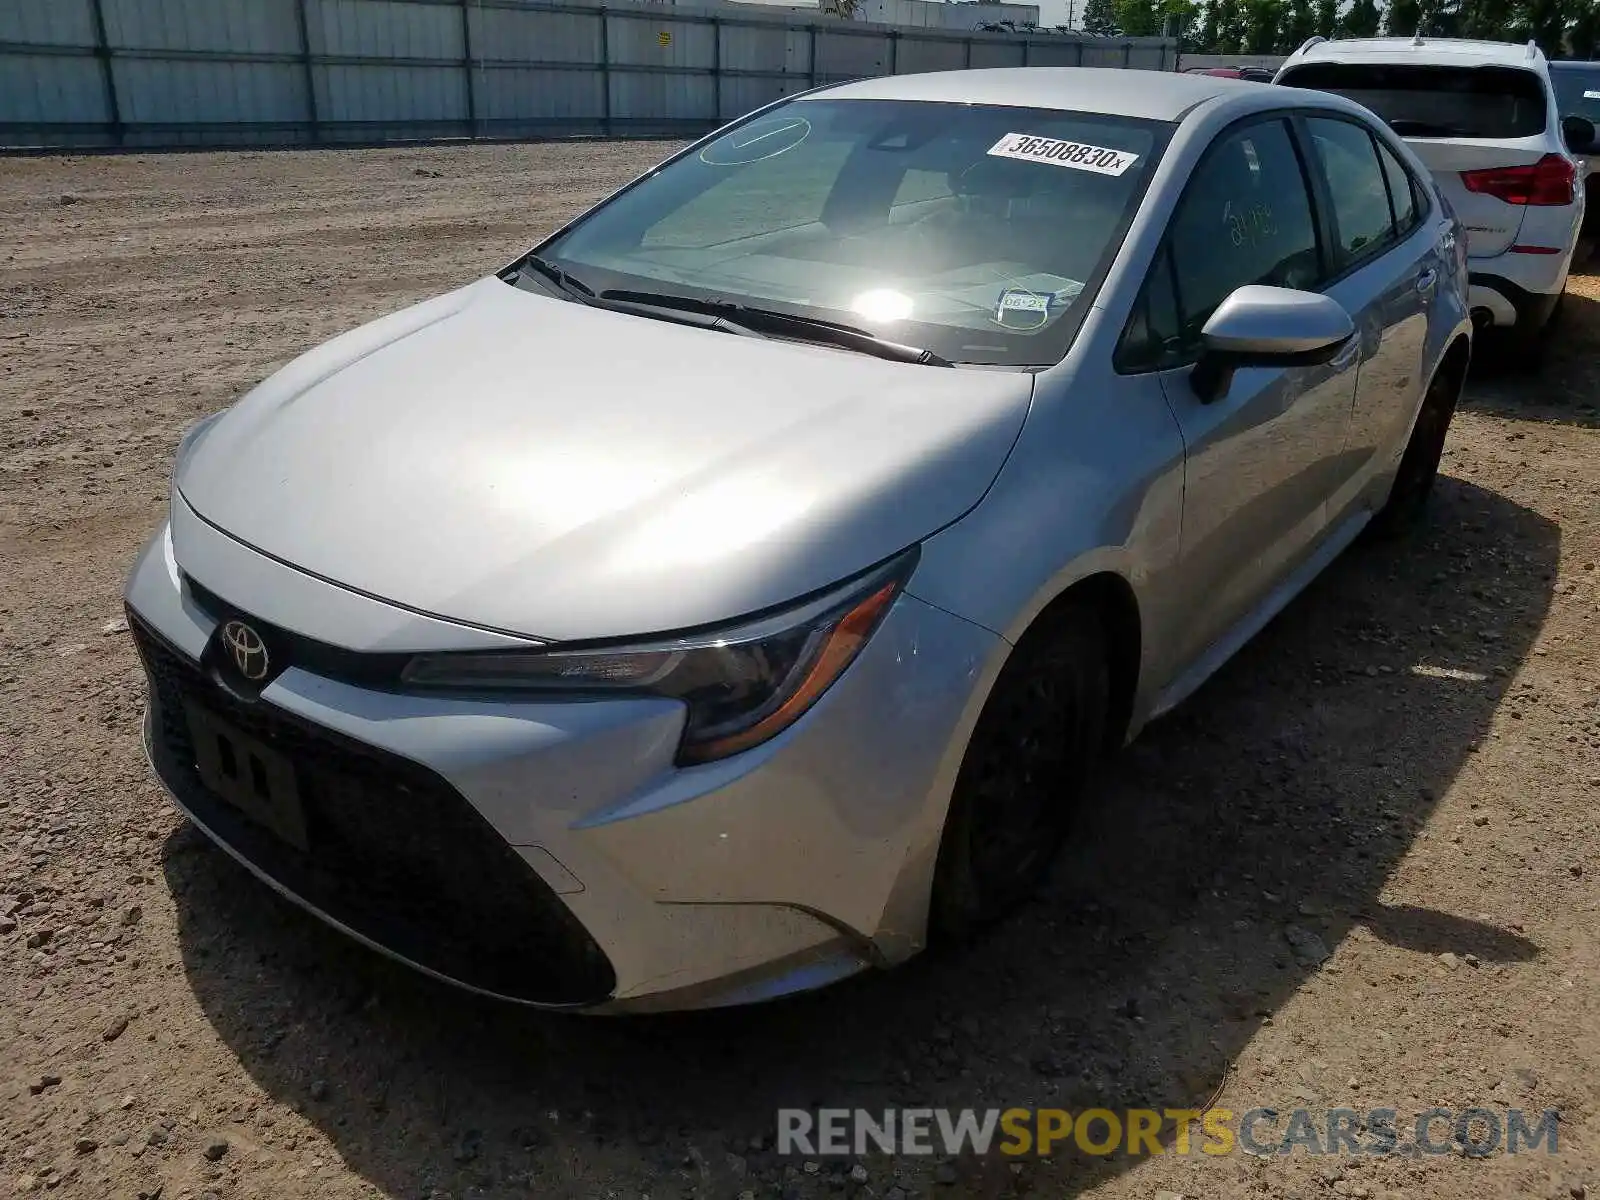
(1031,759)
(1522,348)
(1419,467)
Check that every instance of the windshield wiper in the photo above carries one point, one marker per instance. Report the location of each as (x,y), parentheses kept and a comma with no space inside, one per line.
(738,317)
(563,279)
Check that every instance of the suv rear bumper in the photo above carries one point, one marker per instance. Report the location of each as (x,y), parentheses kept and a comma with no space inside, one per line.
(1510,303)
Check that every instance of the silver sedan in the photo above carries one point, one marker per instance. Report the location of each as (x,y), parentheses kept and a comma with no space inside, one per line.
(738,590)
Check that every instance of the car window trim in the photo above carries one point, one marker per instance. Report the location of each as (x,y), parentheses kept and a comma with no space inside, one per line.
(1163,252)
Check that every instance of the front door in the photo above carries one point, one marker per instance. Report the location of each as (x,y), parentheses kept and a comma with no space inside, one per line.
(1261,460)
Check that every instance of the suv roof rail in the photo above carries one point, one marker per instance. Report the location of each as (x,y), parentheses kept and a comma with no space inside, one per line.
(1310,42)
(1533,49)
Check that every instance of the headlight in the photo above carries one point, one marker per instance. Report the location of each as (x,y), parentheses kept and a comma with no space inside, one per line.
(742,684)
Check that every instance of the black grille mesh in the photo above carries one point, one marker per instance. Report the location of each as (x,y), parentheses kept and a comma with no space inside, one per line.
(397,854)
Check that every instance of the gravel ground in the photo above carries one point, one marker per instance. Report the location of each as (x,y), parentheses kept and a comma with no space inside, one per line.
(1359,867)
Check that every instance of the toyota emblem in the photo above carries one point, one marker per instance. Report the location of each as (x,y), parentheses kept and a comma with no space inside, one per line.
(247,650)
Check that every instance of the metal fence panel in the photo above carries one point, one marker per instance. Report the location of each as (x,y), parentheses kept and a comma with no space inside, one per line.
(766,48)
(259,27)
(500,34)
(217,72)
(62,90)
(930,54)
(660,43)
(391,94)
(849,56)
(386,29)
(156,92)
(532,99)
(47,22)
(996,52)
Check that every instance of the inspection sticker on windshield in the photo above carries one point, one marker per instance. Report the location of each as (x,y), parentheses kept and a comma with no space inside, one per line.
(1080,156)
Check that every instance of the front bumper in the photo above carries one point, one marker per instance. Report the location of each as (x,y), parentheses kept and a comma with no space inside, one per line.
(552,854)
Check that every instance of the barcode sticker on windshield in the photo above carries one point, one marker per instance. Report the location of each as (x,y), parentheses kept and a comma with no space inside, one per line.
(1080,156)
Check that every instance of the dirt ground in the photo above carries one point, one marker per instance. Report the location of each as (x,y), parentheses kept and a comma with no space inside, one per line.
(1404,769)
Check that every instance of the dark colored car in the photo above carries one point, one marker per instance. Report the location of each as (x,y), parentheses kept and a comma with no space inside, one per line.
(1256,74)
(1577,87)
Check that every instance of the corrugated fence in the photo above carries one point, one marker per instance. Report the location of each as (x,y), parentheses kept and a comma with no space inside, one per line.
(229,72)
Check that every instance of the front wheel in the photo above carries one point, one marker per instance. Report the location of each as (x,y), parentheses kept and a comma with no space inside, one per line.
(1031,759)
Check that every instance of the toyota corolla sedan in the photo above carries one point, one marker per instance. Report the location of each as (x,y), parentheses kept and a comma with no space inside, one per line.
(738,590)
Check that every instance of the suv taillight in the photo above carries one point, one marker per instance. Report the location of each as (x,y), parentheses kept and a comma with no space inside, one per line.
(1548,181)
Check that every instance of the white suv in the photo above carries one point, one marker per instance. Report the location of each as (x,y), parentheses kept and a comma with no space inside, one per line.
(1483,117)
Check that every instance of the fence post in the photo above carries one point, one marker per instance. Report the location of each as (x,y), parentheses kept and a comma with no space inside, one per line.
(894,52)
(1027,50)
(1080,54)
(303,28)
(812,66)
(102,51)
(716,72)
(1127,53)
(466,53)
(966,60)
(605,72)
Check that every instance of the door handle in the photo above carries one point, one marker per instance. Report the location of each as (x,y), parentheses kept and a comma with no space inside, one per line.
(1427,279)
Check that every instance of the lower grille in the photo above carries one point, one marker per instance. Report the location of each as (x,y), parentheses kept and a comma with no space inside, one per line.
(396,853)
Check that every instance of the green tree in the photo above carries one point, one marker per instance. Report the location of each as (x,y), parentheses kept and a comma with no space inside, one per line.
(1327,22)
(1299,23)
(1362,19)
(1136,18)
(1100,18)
(1486,18)
(1584,36)
(1545,21)
(1180,19)
(1403,19)
(1229,26)
(1262,21)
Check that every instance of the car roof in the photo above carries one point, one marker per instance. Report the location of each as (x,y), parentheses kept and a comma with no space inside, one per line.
(1111,91)
(1427,51)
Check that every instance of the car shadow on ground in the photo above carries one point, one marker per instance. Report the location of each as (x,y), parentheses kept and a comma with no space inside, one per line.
(1281,795)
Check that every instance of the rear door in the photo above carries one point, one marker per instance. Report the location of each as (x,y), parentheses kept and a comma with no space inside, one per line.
(1464,123)
(1386,274)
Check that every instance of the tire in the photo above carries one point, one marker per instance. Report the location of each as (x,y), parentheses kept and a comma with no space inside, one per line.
(1419,466)
(1522,349)
(1032,758)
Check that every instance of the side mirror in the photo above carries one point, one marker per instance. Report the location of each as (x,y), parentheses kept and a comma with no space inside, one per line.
(1578,134)
(1260,326)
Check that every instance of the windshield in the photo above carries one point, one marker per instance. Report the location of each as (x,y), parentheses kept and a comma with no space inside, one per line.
(1577,90)
(977,232)
(1418,101)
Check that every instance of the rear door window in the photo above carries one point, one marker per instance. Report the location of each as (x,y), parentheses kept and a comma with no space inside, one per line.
(1356,185)
(1440,102)
(1402,191)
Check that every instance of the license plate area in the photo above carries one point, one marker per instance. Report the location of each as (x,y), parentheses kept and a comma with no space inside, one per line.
(248,774)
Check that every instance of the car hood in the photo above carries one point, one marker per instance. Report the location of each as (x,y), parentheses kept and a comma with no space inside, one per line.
(562,472)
